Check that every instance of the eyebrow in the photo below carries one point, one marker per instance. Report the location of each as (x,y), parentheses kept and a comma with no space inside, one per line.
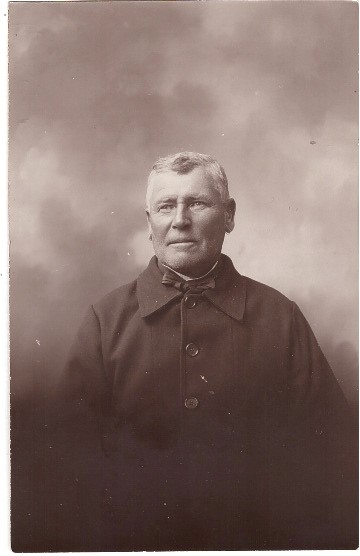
(165,199)
(168,198)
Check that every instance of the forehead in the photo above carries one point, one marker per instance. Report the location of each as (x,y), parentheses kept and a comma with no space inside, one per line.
(194,183)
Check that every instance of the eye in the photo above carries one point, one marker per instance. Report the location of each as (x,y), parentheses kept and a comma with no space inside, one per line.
(197,205)
(166,207)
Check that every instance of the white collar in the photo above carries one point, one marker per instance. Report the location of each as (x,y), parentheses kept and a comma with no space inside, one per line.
(186,278)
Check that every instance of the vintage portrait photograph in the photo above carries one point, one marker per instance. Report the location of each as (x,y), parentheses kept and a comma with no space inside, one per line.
(183,223)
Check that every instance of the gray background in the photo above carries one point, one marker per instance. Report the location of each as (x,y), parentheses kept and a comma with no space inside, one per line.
(99,90)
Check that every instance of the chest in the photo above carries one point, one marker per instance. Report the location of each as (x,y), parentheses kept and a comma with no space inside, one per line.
(190,366)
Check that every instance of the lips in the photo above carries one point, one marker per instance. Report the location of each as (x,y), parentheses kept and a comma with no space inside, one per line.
(181,241)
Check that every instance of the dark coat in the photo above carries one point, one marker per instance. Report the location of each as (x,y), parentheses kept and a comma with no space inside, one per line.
(219,418)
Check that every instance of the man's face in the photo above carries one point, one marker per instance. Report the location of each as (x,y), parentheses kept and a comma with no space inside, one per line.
(187,220)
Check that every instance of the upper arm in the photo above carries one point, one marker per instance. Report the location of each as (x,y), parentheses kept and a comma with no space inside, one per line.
(83,381)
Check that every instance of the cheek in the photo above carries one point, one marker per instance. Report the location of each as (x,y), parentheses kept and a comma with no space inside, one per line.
(158,236)
(214,230)
(158,228)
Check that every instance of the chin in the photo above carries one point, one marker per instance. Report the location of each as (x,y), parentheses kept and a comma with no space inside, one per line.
(189,266)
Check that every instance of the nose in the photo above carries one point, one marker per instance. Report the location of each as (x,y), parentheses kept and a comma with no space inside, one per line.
(181,218)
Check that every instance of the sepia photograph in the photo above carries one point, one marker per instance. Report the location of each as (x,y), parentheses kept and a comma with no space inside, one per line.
(183,225)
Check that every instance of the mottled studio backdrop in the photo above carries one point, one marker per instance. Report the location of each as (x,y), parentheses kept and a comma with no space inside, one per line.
(99,90)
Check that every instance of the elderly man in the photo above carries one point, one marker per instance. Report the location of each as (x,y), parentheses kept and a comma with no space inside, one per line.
(220,422)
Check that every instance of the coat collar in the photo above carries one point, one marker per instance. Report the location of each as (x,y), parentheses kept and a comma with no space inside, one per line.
(229,294)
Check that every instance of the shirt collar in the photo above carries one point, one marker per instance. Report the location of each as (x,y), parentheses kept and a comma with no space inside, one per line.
(229,295)
(187,278)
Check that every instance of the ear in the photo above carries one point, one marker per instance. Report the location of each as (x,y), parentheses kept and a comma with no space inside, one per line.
(230,209)
(148,223)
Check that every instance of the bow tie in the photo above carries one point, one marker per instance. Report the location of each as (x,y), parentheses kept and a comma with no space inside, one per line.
(191,286)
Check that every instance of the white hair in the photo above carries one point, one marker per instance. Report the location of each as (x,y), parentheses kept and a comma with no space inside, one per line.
(185,162)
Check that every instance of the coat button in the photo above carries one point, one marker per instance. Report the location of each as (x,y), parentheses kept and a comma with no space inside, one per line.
(192,350)
(190,301)
(191,403)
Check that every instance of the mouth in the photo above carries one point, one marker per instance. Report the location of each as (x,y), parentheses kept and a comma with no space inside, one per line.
(181,242)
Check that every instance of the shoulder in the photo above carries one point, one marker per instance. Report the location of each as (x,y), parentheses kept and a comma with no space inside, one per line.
(262,292)
(258,303)
(254,292)
(118,301)
(267,310)
(266,302)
